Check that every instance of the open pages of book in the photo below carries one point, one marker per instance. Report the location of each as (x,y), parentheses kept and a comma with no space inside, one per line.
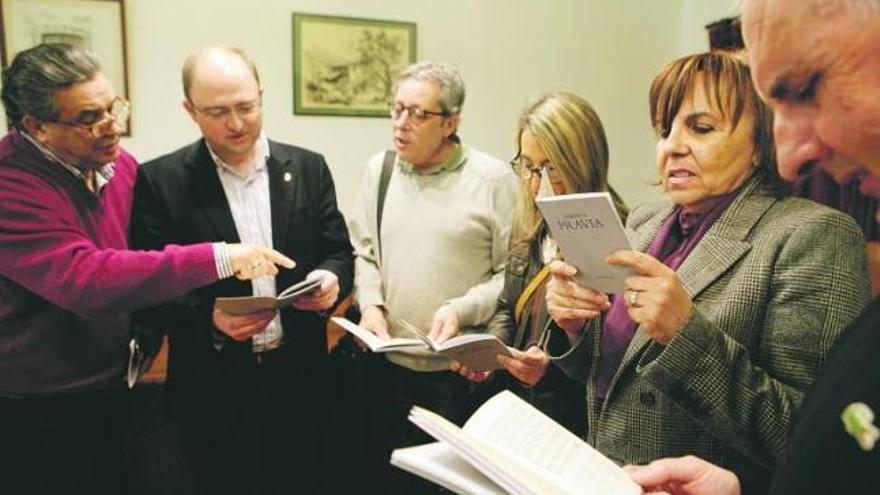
(251,304)
(526,453)
(438,463)
(376,343)
(588,229)
(477,351)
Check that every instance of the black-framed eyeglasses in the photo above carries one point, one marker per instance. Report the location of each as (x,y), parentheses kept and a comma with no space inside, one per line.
(243,110)
(415,113)
(526,169)
(93,121)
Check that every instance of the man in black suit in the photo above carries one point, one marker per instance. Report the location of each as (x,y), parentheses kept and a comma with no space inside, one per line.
(246,391)
(817,63)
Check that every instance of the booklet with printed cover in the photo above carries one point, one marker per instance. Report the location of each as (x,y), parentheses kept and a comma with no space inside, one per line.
(588,229)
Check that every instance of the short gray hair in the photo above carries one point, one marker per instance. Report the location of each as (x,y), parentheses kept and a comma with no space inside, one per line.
(36,74)
(449,80)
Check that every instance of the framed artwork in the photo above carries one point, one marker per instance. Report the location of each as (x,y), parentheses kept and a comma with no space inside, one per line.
(98,25)
(348,66)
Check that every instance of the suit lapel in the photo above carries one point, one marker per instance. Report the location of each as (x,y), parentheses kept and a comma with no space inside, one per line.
(209,193)
(722,246)
(283,183)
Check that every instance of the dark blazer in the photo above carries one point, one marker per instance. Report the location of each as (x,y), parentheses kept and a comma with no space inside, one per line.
(774,281)
(179,199)
(823,457)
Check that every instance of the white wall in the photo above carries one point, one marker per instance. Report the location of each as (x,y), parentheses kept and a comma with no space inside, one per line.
(507,50)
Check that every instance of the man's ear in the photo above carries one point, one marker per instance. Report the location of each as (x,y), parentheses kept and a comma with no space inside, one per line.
(34,127)
(451,125)
(188,106)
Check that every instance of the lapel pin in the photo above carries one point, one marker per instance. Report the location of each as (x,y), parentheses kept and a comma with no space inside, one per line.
(858,419)
(287,177)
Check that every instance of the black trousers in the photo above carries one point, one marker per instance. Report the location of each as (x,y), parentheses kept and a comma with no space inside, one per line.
(63,444)
(397,390)
(272,443)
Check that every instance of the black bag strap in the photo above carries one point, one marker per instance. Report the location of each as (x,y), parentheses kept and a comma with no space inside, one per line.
(384,179)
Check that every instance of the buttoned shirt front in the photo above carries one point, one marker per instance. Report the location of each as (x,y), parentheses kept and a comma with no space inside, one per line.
(249,201)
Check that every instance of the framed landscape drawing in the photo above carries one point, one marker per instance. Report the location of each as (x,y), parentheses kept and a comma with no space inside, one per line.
(98,25)
(348,66)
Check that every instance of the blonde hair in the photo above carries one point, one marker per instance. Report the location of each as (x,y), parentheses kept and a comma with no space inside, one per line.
(571,135)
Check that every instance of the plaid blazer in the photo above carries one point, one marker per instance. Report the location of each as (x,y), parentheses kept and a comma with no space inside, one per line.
(774,282)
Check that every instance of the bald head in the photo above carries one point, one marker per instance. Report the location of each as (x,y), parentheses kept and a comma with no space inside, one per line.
(211,60)
(816,64)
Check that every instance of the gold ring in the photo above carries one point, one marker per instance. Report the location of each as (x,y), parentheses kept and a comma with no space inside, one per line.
(633,298)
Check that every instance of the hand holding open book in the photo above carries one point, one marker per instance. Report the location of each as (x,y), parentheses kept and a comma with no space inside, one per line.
(477,351)
(251,304)
(509,447)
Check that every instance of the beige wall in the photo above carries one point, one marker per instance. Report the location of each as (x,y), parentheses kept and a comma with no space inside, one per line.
(508,51)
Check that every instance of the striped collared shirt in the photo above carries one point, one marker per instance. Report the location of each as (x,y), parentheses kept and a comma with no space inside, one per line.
(103,174)
(248,198)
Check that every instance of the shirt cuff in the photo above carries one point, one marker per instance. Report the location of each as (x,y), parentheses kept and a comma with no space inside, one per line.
(222,260)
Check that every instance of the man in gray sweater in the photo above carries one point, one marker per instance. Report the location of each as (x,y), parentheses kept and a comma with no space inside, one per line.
(430,250)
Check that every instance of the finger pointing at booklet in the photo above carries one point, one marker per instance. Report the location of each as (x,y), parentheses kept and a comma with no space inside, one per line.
(253,260)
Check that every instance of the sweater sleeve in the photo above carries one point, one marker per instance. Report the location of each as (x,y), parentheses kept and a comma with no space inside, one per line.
(367,277)
(478,304)
(45,248)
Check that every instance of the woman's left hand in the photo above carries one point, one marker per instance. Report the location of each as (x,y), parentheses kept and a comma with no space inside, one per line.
(655,297)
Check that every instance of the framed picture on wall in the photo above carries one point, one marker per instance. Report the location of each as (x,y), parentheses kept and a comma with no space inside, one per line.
(348,66)
(98,25)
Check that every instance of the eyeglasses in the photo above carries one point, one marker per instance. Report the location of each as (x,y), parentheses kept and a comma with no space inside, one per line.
(242,110)
(415,113)
(93,121)
(527,169)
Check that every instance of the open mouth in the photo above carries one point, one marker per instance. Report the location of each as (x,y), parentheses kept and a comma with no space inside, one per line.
(679,178)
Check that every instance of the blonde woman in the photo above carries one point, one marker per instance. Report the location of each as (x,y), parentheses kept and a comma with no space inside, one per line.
(561,149)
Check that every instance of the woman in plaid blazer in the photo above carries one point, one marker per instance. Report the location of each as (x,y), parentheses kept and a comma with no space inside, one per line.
(739,294)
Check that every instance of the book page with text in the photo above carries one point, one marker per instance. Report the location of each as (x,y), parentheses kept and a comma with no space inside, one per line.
(439,463)
(508,423)
(516,476)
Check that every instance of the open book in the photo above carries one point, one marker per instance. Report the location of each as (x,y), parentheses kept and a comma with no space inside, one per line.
(588,229)
(509,447)
(477,351)
(251,304)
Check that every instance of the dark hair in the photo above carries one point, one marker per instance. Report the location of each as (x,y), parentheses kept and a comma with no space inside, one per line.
(36,74)
(726,79)
(725,34)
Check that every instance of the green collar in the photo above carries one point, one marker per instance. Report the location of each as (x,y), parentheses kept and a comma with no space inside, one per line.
(455,160)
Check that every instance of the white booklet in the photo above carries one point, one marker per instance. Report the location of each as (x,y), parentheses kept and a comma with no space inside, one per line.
(477,351)
(588,229)
(251,304)
(516,447)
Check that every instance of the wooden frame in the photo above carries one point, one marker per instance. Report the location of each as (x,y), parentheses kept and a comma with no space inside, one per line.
(98,25)
(346,65)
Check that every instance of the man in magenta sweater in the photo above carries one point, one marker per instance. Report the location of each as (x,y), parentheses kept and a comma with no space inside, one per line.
(67,279)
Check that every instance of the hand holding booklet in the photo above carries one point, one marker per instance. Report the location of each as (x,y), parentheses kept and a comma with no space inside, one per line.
(509,447)
(252,304)
(588,230)
(477,351)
